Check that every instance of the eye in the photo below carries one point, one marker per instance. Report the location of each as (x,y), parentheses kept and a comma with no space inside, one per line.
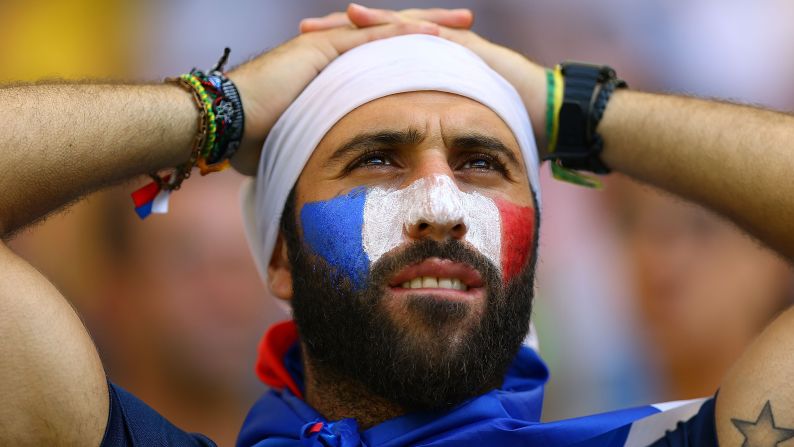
(478,163)
(483,162)
(372,160)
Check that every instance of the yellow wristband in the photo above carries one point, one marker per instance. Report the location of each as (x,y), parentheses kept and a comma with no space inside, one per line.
(559,94)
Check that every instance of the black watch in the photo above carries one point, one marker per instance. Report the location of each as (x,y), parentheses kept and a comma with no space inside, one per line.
(587,91)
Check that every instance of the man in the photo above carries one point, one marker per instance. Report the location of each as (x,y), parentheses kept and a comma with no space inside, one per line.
(54,386)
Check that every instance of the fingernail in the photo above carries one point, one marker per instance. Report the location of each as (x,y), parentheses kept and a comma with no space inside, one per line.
(356,5)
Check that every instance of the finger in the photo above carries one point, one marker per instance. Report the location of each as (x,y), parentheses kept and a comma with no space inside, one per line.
(452,18)
(343,39)
(333,20)
(361,16)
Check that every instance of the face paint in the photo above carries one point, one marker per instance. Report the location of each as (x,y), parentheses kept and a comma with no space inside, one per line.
(518,234)
(354,231)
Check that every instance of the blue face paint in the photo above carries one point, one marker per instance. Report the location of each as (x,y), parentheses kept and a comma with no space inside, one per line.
(332,228)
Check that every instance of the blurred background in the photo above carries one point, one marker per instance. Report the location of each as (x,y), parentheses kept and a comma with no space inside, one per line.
(641,297)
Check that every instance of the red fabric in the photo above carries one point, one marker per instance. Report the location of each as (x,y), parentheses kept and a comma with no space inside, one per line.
(518,231)
(147,193)
(270,368)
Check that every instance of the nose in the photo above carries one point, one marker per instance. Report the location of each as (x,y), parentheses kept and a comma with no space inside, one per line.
(436,210)
(440,231)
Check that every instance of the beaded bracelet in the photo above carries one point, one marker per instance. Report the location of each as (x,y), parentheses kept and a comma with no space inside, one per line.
(220,130)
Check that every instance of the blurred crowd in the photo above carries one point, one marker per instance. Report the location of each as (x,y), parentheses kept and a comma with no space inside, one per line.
(641,297)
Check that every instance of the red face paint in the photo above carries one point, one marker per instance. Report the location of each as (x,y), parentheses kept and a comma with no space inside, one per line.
(518,233)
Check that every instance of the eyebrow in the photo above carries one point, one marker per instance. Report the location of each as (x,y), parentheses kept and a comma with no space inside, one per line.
(476,140)
(413,136)
(361,142)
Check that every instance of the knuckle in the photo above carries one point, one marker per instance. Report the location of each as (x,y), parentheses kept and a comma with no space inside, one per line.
(405,26)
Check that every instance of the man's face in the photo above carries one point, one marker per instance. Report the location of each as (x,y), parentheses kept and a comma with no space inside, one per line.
(411,245)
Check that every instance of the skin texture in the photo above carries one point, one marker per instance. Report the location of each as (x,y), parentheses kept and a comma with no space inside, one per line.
(438,118)
(61,142)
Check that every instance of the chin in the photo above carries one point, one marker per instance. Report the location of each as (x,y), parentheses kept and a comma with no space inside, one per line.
(431,316)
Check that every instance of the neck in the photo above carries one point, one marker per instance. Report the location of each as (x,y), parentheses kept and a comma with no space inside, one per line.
(337,397)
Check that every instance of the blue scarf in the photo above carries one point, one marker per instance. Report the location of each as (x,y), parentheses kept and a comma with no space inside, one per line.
(506,416)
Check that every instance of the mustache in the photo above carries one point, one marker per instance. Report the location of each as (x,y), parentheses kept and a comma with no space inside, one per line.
(453,250)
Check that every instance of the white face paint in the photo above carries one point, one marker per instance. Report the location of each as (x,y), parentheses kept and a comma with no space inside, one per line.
(435,200)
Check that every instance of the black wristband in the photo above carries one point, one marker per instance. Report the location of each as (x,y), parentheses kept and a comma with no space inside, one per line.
(230,112)
(587,92)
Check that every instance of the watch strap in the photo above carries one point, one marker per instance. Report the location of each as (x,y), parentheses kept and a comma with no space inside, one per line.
(586,93)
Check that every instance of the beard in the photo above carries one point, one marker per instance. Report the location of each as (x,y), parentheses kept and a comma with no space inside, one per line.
(433,355)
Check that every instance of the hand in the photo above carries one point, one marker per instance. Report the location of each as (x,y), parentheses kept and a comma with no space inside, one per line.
(361,16)
(528,78)
(269,83)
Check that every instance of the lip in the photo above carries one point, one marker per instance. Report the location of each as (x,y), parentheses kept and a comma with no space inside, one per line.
(471,295)
(437,267)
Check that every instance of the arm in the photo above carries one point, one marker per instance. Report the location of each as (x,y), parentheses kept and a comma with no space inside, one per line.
(51,378)
(61,142)
(65,141)
(736,160)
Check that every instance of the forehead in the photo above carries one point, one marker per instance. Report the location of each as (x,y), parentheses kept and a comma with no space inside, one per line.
(428,112)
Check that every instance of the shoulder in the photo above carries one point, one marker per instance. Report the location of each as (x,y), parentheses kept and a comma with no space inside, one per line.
(132,423)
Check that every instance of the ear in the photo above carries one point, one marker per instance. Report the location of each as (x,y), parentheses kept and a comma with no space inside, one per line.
(279,271)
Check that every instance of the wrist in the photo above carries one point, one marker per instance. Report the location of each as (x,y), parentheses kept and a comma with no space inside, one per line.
(183,128)
(256,128)
(262,83)
(582,92)
(220,128)
(610,124)
(533,89)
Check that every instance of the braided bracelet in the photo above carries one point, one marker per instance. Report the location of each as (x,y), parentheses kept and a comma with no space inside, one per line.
(220,130)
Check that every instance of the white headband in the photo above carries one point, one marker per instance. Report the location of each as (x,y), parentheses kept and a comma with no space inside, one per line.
(380,68)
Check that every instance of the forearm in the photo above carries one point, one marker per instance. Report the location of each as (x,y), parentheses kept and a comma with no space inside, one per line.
(62,141)
(734,159)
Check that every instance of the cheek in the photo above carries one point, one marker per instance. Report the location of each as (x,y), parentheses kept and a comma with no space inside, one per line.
(332,229)
(518,234)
